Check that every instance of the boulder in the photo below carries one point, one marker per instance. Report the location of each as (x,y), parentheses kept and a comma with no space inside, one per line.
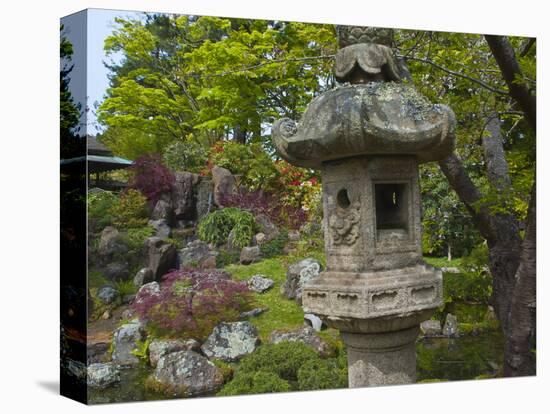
(260,283)
(297,275)
(186,373)
(103,375)
(148,289)
(259,239)
(231,341)
(192,255)
(117,271)
(161,256)
(224,184)
(205,197)
(430,328)
(107,294)
(110,242)
(183,198)
(450,328)
(163,209)
(305,334)
(160,347)
(293,235)
(162,228)
(314,321)
(97,351)
(143,276)
(252,313)
(267,227)
(124,342)
(250,255)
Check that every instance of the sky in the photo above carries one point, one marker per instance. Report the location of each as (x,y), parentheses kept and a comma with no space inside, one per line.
(87,31)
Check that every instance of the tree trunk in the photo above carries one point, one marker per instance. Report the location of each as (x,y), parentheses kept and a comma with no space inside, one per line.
(518,358)
(239,134)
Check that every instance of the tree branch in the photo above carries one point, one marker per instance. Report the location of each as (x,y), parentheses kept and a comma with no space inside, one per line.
(495,159)
(504,54)
(458,74)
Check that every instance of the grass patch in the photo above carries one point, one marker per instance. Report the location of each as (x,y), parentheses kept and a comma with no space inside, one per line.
(282,313)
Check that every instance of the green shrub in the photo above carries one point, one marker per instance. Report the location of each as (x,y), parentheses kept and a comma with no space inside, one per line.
(225,258)
(125,287)
(186,156)
(322,374)
(134,238)
(255,383)
(130,211)
(276,246)
(287,366)
(99,206)
(216,226)
(474,284)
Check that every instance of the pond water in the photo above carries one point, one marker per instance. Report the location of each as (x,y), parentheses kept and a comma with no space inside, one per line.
(444,359)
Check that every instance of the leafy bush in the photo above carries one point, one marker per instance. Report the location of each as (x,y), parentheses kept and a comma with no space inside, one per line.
(276,246)
(186,156)
(250,161)
(268,204)
(216,226)
(130,211)
(255,383)
(323,374)
(191,302)
(475,283)
(99,206)
(225,258)
(286,366)
(135,237)
(151,177)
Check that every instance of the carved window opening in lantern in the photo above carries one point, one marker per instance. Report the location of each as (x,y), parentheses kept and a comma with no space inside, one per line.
(392,209)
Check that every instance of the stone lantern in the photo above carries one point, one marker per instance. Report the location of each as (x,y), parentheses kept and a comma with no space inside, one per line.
(368,136)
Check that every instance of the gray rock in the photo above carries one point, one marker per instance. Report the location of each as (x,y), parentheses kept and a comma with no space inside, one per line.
(259,239)
(160,347)
(224,184)
(252,313)
(129,298)
(305,334)
(162,229)
(103,375)
(267,227)
(250,255)
(107,294)
(450,328)
(297,275)
(143,276)
(148,289)
(110,242)
(293,235)
(75,368)
(193,254)
(205,197)
(186,373)
(163,209)
(231,341)
(117,271)
(124,342)
(161,256)
(183,198)
(314,321)
(127,314)
(97,352)
(260,283)
(430,328)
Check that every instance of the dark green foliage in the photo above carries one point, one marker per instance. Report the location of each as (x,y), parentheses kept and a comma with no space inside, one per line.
(186,156)
(323,374)
(255,383)
(99,209)
(216,226)
(130,211)
(134,238)
(474,284)
(225,258)
(286,366)
(275,247)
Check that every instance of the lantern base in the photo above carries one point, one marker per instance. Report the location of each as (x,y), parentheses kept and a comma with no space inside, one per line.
(376,359)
